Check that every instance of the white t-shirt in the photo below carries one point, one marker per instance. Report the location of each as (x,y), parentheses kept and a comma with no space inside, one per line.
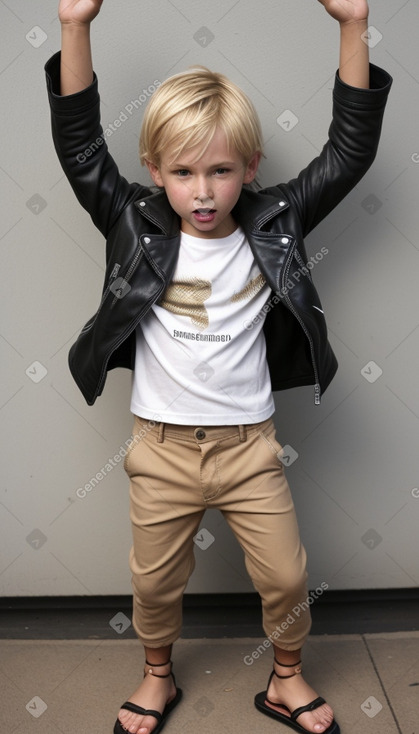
(200,352)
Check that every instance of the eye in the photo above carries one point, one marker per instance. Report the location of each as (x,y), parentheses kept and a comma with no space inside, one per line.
(221,171)
(181,172)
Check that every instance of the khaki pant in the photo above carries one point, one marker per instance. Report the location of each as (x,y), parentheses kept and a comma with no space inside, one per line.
(177,472)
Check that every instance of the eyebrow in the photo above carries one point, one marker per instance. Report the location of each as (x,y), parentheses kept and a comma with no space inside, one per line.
(214,165)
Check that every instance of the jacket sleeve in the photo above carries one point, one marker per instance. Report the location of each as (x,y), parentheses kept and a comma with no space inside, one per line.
(80,144)
(350,150)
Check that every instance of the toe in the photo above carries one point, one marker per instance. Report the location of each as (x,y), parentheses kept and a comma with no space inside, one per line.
(139,724)
(130,722)
(324,722)
(317,721)
(131,727)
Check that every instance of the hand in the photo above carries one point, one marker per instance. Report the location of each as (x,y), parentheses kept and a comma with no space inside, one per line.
(78,12)
(346,11)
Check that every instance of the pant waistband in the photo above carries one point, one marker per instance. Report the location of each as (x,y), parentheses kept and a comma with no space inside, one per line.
(202,433)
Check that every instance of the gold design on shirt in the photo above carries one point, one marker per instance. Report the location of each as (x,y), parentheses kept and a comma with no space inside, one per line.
(251,289)
(186,297)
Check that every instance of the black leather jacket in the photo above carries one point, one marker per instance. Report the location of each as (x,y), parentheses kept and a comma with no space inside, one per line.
(142,235)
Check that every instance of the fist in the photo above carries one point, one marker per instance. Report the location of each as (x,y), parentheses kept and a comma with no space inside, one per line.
(80,12)
(346,11)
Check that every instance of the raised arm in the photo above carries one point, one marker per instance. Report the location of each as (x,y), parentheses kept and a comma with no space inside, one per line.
(359,99)
(352,16)
(76,56)
(79,138)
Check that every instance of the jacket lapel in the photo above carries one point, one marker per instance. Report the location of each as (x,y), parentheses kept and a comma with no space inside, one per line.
(271,249)
(157,210)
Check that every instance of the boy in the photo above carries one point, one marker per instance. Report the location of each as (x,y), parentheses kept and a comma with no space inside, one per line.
(208,298)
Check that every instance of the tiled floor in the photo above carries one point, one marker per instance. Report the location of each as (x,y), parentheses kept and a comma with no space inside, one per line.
(76,686)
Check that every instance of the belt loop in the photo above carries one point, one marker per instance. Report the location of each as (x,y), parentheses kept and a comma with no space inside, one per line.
(160,437)
(242,433)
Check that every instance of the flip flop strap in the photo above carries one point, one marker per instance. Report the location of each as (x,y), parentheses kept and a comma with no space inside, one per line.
(141,711)
(310,707)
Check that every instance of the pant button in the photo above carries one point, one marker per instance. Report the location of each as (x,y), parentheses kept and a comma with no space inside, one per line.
(199,434)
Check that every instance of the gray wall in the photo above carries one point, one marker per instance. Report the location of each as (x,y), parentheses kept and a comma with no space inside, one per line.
(356,479)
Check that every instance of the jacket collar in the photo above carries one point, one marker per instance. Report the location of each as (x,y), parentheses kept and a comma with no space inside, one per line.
(252,211)
(156,208)
(255,208)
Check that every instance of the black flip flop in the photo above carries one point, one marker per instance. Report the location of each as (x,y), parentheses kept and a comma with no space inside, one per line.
(290,719)
(161,718)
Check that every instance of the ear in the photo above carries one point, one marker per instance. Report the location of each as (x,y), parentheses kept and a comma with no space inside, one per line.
(155,173)
(252,167)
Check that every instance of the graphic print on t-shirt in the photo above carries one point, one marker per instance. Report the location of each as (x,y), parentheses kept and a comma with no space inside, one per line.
(186,297)
(249,290)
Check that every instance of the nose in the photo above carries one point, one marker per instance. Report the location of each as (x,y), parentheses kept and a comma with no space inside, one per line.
(202,197)
(204,194)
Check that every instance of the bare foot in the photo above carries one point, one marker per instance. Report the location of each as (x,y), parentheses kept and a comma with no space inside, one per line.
(293,693)
(153,693)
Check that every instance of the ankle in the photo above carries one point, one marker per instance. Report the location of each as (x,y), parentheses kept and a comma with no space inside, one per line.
(286,670)
(158,670)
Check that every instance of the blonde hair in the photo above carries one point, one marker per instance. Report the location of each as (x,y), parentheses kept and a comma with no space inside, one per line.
(186,110)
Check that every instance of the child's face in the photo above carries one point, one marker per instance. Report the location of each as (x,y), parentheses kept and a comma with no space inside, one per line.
(204,192)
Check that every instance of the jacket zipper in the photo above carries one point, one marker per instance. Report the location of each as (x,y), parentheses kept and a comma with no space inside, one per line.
(317,389)
(134,263)
(112,278)
(114,272)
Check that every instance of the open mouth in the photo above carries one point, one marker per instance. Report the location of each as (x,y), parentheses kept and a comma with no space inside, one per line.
(204,215)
